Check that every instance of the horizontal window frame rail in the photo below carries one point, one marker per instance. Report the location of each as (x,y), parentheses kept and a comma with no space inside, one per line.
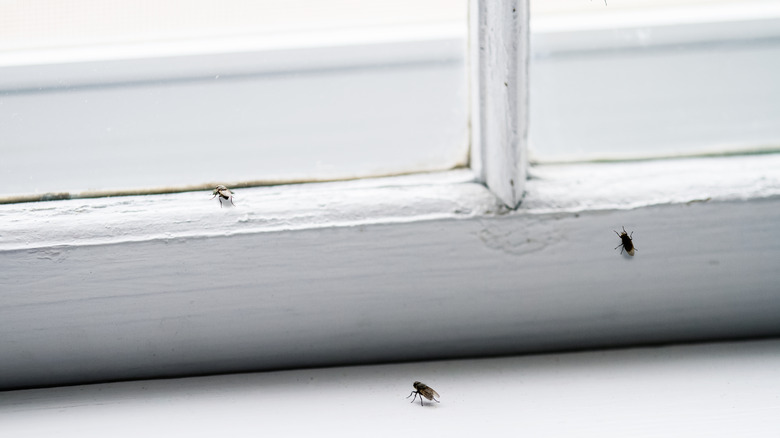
(215,289)
(234,65)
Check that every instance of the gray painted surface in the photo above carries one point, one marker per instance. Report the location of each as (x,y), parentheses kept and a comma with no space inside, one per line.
(713,390)
(387,292)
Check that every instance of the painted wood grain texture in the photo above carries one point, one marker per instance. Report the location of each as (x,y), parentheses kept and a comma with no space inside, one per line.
(499,83)
(424,266)
(440,288)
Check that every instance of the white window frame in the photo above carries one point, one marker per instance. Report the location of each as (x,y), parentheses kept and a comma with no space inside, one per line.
(415,267)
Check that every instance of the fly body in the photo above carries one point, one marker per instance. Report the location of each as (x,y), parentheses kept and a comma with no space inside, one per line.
(626,242)
(424,391)
(224,193)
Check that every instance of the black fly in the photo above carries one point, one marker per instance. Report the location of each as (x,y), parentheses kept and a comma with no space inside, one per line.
(424,391)
(626,242)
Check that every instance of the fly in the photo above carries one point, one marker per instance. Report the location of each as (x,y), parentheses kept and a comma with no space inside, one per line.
(224,193)
(424,391)
(626,242)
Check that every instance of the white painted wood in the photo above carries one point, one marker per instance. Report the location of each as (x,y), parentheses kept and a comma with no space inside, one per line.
(387,270)
(715,390)
(119,220)
(499,83)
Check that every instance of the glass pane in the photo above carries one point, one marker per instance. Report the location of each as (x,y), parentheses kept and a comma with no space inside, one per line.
(653,78)
(131,94)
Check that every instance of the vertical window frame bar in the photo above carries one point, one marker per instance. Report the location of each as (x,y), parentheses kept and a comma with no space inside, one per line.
(499,70)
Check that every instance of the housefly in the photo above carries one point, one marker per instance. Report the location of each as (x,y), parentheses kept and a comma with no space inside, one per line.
(424,391)
(626,242)
(224,193)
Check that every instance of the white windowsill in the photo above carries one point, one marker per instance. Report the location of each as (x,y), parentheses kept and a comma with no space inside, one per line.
(713,390)
(116,220)
(417,267)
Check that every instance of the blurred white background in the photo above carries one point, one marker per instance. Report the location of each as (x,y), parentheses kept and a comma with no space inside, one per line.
(153,94)
(142,94)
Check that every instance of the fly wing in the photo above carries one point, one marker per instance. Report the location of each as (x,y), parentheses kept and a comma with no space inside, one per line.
(225,193)
(429,393)
(221,189)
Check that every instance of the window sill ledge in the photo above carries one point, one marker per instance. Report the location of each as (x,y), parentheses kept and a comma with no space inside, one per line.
(102,221)
(631,185)
(387,270)
(713,390)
